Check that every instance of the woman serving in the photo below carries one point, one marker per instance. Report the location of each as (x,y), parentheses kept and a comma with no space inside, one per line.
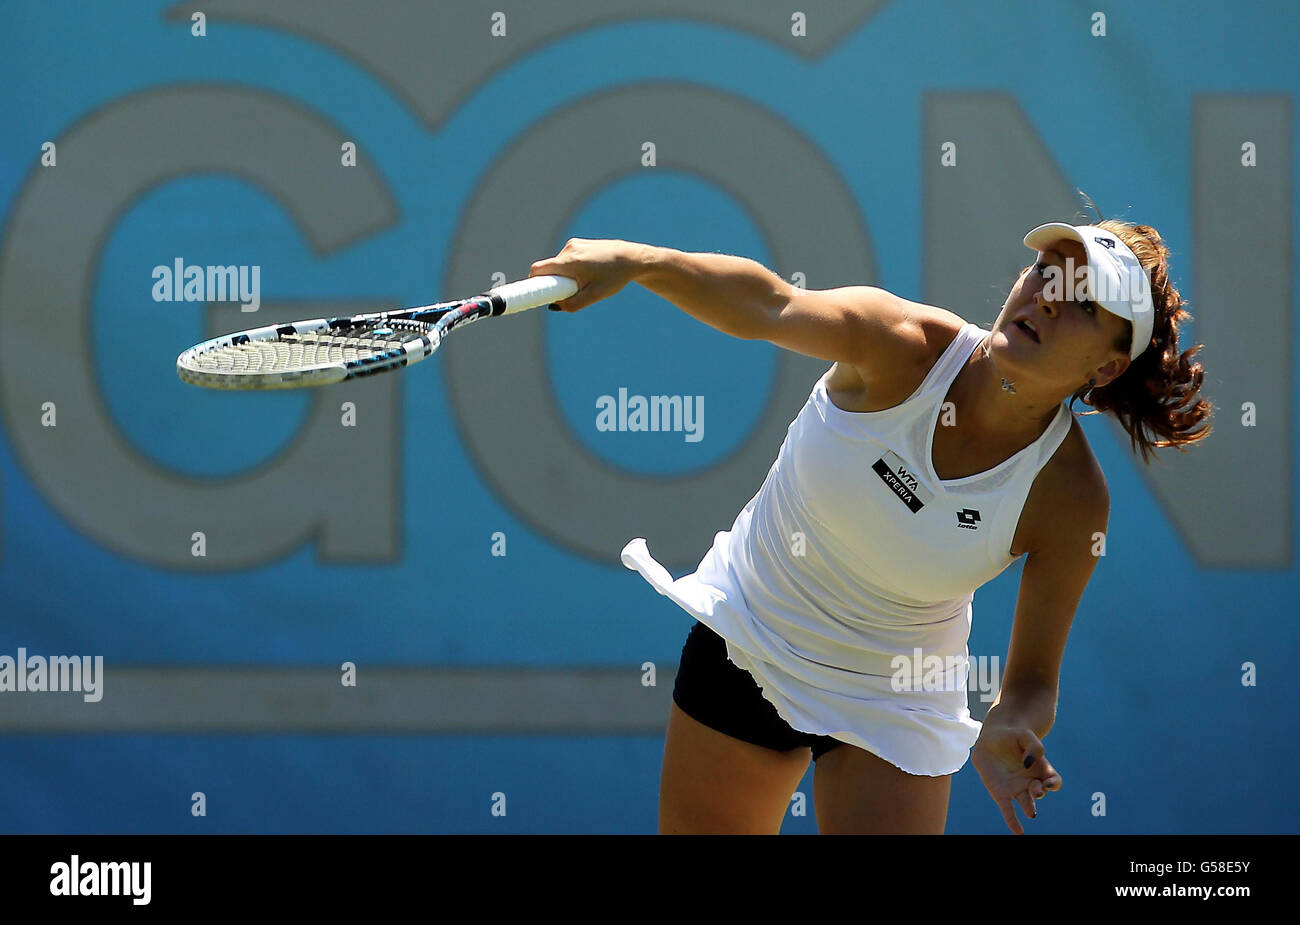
(928,458)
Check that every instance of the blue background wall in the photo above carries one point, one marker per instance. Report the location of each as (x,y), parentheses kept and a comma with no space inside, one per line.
(1153,712)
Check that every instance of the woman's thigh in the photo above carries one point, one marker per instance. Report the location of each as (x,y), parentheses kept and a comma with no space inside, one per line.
(715,784)
(858,793)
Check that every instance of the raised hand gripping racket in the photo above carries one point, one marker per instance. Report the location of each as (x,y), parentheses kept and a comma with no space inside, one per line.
(326,350)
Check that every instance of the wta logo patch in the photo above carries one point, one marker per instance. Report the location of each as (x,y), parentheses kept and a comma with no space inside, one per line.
(898,477)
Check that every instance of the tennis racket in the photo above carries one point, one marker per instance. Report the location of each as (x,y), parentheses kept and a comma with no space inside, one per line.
(328,350)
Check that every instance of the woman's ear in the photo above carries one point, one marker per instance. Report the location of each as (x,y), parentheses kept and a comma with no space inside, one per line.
(1107,374)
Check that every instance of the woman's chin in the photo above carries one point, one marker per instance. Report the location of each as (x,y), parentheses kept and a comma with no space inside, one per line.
(1011,355)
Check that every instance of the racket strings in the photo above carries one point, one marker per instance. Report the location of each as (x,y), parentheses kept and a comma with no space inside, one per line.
(311,349)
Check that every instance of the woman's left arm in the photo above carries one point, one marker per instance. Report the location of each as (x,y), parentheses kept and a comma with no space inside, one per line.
(1059,565)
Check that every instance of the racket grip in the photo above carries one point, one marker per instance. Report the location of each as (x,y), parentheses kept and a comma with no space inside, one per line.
(533,292)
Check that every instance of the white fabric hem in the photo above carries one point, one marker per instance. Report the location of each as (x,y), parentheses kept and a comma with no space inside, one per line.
(848,737)
(702,604)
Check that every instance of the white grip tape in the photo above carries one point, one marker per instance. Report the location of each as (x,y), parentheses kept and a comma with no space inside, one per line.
(534,292)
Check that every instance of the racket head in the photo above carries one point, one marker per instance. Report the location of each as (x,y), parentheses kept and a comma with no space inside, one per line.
(324,351)
(306,353)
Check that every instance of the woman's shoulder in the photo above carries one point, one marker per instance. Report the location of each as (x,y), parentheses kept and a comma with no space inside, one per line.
(1074,466)
(1069,490)
(930,331)
(938,329)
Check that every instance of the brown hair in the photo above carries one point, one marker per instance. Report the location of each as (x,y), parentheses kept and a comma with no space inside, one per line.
(1156,398)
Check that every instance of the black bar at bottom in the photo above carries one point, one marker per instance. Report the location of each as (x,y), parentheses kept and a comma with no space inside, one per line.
(937,877)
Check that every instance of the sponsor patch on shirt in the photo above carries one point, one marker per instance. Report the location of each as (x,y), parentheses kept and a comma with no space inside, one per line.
(898,477)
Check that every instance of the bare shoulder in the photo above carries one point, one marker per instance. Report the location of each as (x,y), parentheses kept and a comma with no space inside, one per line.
(1069,495)
(893,375)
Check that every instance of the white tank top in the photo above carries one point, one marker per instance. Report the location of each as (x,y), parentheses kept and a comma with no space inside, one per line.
(854,552)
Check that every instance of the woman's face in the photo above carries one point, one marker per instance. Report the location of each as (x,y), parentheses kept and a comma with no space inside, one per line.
(1076,337)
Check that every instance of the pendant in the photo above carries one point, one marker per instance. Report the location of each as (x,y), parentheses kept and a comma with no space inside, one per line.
(1008,386)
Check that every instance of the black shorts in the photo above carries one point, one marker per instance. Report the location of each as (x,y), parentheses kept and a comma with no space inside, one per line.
(713,690)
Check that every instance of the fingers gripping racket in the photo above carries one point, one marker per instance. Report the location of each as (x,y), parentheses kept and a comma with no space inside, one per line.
(327,350)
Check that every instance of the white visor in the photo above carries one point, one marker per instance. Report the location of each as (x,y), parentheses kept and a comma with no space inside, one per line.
(1116,280)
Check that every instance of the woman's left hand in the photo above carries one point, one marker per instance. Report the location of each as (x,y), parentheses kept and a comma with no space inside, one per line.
(1000,755)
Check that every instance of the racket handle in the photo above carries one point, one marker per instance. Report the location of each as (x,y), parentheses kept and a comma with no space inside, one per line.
(533,292)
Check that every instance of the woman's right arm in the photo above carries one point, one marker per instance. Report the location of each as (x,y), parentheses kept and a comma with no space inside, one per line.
(859,325)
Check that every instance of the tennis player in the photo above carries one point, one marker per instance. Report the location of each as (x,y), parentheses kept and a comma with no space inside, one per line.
(928,458)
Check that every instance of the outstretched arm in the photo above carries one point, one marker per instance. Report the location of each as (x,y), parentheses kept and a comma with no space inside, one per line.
(1009,754)
(858,325)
